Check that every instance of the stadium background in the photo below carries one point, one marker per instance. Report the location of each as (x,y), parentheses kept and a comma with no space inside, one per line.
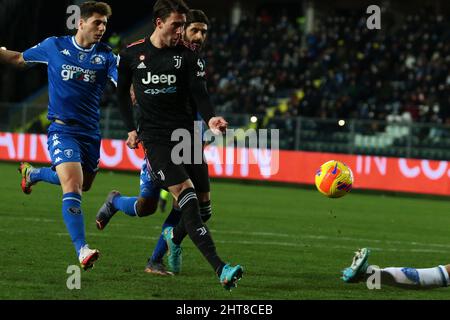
(377,99)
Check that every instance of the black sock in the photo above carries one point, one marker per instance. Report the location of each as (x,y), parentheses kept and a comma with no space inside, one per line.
(205,211)
(197,231)
(205,214)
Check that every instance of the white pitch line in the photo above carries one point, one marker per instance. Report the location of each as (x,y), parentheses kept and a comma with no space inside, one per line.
(268,234)
(267,243)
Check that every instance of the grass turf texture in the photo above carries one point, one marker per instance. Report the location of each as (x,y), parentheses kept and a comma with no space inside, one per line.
(292,242)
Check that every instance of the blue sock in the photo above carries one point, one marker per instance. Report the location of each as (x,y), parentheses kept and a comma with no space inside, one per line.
(126,205)
(44,174)
(73,218)
(161,247)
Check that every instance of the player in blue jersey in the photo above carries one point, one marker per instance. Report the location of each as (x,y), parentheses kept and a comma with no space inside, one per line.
(406,278)
(78,70)
(196,29)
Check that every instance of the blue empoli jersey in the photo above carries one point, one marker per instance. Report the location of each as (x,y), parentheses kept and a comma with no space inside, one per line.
(76,77)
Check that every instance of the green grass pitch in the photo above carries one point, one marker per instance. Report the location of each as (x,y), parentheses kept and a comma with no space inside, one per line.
(292,242)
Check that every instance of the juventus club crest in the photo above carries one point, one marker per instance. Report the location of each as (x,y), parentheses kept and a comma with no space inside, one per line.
(177,62)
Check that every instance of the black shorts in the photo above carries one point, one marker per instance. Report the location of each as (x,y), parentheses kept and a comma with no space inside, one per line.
(165,173)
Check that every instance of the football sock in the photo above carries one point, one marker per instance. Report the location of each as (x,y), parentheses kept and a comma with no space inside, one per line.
(73,218)
(161,247)
(197,231)
(126,205)
(407,277)
(45,174)
(205,211)
(205,214)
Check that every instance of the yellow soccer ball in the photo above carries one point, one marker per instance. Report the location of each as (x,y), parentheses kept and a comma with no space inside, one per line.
(334,179)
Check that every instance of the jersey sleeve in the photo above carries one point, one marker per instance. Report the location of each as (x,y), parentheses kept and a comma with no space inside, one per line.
(39,53)
(112,70)
(197,85)
(125,78)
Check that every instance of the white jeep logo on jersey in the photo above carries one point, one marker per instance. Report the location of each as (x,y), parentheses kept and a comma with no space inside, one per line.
(160,78)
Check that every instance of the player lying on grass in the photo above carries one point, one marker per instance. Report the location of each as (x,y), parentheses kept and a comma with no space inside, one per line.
(407,278)
(78,70)
(196,29)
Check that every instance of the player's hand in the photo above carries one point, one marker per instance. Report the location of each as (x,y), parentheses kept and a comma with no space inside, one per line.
(218,125)
(133,140)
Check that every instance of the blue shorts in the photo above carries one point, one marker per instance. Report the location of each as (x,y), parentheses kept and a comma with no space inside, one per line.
(69,144)
(147,186)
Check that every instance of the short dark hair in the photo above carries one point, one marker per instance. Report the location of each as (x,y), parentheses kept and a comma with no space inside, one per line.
(196,16)
(163,8)
(87,9)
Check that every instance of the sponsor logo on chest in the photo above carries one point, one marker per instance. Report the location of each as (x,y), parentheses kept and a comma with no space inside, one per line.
(168,79)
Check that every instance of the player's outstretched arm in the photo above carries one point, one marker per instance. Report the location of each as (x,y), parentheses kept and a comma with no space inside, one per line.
(11,57)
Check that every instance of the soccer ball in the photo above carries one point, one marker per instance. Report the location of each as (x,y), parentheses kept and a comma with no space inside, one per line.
(334,179)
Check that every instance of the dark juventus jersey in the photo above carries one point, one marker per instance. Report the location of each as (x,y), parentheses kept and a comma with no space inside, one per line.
(167,83)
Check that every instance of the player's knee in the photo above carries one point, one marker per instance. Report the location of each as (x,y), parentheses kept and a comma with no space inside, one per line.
(72,185)
(146,207)
(178,189)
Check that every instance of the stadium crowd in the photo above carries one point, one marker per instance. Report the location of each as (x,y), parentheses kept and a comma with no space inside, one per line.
(343,70)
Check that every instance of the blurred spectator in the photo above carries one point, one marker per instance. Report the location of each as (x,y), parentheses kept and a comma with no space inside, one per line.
(115,42)
(344,69)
